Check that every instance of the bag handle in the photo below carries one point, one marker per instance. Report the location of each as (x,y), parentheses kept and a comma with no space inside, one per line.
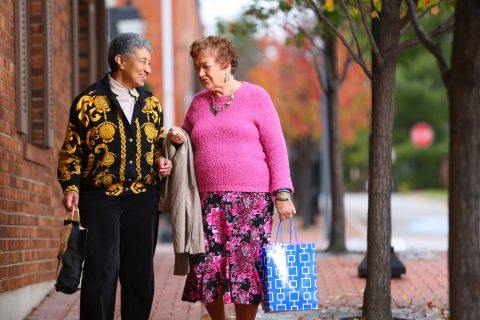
(73,215)
(292,231)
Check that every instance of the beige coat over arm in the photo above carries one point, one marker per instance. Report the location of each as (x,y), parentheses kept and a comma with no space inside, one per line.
(179,196)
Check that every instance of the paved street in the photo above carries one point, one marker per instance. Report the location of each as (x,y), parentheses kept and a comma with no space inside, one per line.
(419,223)
(420,294)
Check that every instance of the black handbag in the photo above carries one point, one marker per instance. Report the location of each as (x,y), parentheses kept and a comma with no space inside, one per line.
(71,253)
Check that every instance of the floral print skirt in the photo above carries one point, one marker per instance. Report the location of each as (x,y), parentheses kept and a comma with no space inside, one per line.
(236,226)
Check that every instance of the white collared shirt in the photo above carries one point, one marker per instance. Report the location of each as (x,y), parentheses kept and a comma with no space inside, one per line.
(125,97)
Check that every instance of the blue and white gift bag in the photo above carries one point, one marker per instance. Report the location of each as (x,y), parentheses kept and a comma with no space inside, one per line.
(289,276)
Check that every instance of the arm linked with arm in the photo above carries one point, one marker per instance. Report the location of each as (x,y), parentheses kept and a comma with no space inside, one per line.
(159,146)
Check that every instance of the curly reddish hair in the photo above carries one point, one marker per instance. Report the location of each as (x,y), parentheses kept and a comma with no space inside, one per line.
(223,49)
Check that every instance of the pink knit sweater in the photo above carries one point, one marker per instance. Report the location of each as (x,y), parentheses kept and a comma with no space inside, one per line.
(240,149)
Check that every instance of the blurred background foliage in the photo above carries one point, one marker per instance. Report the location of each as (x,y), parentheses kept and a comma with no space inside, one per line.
(286,71)
(419,96)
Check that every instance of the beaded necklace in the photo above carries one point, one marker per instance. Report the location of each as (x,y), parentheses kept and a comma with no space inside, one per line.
(215,109)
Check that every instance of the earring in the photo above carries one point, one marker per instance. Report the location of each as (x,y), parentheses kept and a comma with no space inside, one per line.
(227,77)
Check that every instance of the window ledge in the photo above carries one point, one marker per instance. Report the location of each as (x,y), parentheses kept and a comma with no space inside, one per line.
(37,155)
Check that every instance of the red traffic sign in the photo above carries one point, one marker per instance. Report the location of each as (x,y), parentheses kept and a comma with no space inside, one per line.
(421,135)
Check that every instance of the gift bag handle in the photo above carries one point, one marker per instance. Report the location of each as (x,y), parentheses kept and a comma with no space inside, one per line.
(292,231)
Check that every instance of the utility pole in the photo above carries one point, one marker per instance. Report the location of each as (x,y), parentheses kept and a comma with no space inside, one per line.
(325,180)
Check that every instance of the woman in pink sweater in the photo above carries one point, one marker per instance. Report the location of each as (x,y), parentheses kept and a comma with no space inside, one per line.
(242,171)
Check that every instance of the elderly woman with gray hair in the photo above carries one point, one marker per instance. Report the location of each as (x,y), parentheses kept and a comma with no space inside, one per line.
(242,172)
(108,166)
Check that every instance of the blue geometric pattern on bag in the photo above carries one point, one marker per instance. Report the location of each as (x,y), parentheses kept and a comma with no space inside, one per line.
(289,276)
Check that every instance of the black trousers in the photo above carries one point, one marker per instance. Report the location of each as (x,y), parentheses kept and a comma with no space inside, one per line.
(120,243)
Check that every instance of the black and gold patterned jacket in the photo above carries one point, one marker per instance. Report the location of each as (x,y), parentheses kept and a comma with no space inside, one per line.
(103,151)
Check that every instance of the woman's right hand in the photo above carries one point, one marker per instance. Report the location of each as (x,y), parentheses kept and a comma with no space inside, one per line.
(176,135)
(70,200)
(285,209)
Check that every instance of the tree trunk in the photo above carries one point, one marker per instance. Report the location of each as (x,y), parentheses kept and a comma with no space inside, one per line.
(377,297)
(337,226)
(464,172)
(302,176)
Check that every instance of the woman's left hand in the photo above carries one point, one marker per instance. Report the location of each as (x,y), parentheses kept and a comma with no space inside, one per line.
(285,209)
(176,135)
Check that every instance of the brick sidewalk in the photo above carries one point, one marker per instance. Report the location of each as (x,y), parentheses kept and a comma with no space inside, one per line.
(423,290)
(425,284)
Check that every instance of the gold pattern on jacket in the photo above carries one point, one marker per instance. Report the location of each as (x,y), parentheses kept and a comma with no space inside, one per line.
(86,152)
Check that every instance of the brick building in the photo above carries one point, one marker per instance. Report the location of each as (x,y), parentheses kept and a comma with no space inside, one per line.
(171,34)
(50,50)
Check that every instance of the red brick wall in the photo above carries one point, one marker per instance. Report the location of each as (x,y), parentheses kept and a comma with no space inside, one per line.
(187,28)
(7,75)
(37,61)
(30,198)
(84,79)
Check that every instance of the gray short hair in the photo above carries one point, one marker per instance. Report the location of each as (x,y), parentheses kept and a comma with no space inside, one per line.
(124,44)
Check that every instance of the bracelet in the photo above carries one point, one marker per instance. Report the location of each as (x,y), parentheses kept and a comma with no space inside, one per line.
(282,196)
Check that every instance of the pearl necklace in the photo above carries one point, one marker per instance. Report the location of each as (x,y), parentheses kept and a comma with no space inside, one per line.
(215,109)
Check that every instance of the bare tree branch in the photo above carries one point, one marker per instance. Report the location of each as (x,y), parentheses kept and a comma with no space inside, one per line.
(309,36)
(346,66)
(321,16)
(315,57)
(322,83)
(446,26)
(434,48)
(371,39)
(352,28)
(406,27)
(289,28)
(405,20)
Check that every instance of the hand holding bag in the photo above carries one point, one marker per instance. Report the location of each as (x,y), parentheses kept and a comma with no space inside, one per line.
(71,253)
(289,274)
